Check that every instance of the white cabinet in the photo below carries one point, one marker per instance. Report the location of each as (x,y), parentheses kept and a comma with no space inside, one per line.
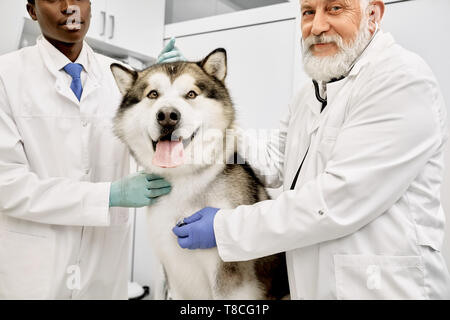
(182,10)
(136,25)
(97,30)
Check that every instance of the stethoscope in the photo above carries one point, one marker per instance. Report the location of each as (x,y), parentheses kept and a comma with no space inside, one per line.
(324,101)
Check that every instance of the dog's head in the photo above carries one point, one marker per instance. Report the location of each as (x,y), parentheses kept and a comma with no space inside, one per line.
(174,114)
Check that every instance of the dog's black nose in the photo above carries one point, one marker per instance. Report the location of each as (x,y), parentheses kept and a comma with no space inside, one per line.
(168,117)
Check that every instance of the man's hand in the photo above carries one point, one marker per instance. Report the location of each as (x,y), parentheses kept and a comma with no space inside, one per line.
(137,190)
(170,53)
(197,232)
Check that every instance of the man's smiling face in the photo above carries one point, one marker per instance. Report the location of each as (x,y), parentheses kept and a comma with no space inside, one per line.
(335,33)
(340,18)
(65,21)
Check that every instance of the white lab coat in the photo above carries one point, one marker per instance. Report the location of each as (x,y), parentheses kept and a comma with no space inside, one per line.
(365,219)
(58,238)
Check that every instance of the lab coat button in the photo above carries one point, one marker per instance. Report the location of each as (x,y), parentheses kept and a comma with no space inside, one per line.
(321,212)
(84,124)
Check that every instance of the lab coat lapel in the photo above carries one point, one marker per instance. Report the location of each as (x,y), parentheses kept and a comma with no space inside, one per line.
(93,80)
(62,89)
(334,89)
(95,75)
(305,140)
(314,106)
(91,85)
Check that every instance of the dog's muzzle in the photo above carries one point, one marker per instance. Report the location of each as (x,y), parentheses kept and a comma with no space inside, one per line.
(170,146)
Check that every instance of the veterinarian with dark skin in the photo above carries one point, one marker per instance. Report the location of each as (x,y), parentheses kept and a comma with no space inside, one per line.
(360,159)
(63,226)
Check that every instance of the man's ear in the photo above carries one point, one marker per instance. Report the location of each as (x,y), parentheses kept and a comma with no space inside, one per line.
(215,64)
(32,11)
(376,12)
(125,78)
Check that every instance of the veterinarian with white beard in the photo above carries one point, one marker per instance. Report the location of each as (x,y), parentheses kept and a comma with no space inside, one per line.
(60,237)
(362,219)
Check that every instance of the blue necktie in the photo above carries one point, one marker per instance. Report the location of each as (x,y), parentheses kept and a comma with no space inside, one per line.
(74,70)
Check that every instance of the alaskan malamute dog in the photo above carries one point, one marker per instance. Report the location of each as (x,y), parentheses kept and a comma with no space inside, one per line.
(174,118)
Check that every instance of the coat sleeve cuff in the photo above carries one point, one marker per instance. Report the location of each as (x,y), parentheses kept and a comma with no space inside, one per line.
(96,206)
(223,247)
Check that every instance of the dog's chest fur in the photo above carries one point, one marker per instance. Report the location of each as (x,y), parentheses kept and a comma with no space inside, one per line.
(192,274)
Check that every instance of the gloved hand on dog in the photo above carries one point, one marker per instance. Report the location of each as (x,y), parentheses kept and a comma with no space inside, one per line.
(137,190)
(170,53)
(197,232)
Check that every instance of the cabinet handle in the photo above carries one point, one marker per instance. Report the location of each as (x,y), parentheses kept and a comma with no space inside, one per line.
(103,13)
(113,26)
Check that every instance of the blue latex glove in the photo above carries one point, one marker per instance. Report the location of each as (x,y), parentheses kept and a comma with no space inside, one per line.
(198,230)
(170,53)
(137,190)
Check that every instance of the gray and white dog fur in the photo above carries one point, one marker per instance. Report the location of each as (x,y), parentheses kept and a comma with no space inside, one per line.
(198,92)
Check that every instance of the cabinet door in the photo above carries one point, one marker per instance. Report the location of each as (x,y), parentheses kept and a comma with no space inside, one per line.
(136,25)
(97,29)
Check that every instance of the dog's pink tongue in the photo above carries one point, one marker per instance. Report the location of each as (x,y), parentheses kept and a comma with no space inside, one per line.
(169,154)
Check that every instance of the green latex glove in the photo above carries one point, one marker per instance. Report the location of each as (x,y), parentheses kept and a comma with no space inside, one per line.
(170,53)
(137,190)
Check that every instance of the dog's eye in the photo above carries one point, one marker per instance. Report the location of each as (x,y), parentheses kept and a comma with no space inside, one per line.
(153,94)
(191,95)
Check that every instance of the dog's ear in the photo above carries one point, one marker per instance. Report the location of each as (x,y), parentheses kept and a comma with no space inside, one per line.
(215,64)
(125,78)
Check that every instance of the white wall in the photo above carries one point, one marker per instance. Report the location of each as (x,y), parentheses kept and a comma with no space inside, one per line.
(11,24)
(259,68)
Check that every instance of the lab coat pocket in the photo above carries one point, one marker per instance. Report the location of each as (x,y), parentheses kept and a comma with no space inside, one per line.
(26,265)
(364,277)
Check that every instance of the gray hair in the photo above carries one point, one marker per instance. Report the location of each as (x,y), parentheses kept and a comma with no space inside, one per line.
(364,4)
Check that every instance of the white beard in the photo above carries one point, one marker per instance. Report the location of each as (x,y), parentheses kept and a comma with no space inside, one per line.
(338,65)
